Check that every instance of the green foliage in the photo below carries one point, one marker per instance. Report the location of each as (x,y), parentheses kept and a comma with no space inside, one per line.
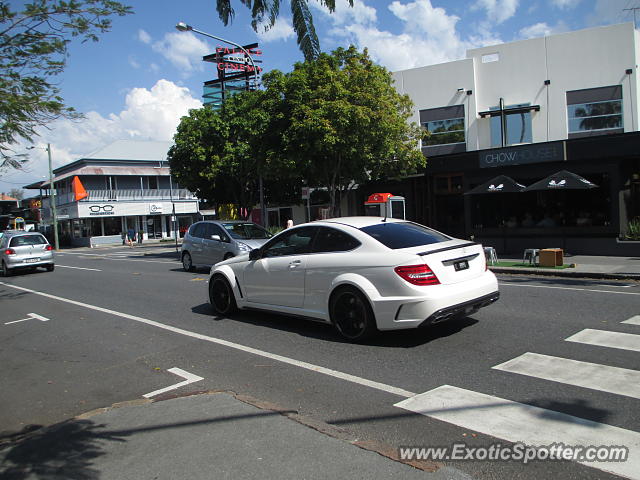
(343,122)
(333,122)
(265,12)
(33,48)
(633,229)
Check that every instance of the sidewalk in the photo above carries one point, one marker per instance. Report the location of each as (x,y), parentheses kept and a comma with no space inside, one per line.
(586,266)
(204,436)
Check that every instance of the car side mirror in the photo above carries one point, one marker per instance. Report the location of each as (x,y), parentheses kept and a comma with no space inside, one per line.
(215,237)
(255,254)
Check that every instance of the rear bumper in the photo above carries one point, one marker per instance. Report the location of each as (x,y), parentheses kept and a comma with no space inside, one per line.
(437,304)
(462,309)
(22,263)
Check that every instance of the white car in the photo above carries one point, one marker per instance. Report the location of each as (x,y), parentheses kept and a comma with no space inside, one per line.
(361,274)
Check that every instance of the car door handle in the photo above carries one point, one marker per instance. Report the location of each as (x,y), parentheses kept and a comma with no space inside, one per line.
(295,264)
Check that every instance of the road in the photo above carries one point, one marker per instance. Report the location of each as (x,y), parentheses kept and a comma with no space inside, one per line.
(107,326)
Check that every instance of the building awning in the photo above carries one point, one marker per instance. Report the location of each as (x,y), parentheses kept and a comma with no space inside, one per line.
(106,170)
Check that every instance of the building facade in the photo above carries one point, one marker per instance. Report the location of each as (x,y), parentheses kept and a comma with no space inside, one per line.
(126,186)
(528,109)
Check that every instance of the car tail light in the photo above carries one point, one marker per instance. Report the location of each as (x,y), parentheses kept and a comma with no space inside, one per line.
(9,251)
(418,274)
(48,248)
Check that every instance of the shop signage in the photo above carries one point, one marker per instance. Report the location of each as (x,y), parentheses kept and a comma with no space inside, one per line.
(100,210)
(155,208)
(523,154)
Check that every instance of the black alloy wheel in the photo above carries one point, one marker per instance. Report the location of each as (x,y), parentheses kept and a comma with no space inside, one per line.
(352,315)
(6,272)
(187,263)
(50,268)
(221,295)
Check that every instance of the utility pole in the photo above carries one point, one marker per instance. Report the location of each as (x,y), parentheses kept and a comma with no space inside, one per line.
(52,200)
(633,9)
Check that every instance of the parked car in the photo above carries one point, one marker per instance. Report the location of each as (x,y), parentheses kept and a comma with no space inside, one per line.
(20,249)
(361,274)
(209,242)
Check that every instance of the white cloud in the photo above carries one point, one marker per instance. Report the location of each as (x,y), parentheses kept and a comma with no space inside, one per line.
(610,11)
(183,49)
(133,62)
(144,37)
(565,4)
(498,11)
(282,30)
(360,13)
(149,114)
(543,30)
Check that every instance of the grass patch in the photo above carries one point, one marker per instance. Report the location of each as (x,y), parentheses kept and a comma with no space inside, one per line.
(526,265)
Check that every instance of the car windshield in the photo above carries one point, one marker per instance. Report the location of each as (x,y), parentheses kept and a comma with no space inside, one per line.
(246,231)
(404,234)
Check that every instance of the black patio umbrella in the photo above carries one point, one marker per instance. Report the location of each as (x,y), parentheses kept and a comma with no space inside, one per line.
(562,180)
(499,184)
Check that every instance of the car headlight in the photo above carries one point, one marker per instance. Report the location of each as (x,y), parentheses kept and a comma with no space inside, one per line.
(244,247)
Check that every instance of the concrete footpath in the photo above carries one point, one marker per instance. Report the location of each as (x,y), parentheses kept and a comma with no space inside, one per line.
(586,266)
(203,436)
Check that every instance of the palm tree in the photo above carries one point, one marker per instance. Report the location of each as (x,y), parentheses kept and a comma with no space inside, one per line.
(265,12)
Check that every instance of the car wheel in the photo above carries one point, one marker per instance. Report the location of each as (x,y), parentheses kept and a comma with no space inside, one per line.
(50,268)
(221,295)
(6,271)
(351,314)
(187,263)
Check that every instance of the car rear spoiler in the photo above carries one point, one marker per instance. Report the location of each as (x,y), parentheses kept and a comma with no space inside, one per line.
(454,247)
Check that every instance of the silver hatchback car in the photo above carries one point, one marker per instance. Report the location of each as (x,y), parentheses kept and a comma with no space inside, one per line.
(209,242)
(20,249)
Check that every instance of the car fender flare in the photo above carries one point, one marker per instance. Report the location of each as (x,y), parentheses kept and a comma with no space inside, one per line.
(354,280)
(229,274)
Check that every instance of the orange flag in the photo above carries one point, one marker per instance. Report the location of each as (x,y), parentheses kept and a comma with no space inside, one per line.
(78,190)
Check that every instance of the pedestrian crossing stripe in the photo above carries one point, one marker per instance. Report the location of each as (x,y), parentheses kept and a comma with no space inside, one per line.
(620,381)
(519,422)
(633,320)
(604,338)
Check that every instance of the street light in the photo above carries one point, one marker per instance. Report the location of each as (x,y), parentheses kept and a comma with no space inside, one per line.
(183,27)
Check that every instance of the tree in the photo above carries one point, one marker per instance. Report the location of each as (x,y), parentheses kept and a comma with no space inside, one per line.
(33,49)
(343,123)
(16,193)
(265,12)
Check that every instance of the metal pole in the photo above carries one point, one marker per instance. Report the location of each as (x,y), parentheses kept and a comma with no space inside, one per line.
(52,199)
(184,27)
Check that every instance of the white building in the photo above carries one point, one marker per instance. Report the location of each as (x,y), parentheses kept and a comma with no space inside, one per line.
(528,109)
(128,187)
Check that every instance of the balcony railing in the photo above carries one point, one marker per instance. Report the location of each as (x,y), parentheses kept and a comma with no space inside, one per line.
(131,195)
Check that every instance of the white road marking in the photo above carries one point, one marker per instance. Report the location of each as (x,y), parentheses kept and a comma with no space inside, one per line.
(30,316)
(518,422)
(620,381)
(124,259)
(567,288)
(290,361)
(604,338)
(189,378)
(78,268)
(633,320)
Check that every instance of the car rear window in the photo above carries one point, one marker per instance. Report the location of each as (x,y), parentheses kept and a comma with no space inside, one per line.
(404,234)
(246,231)
(23,240)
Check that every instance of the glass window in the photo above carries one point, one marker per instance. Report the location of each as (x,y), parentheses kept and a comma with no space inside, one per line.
(517,126)
(404,234)
(444,132)
(605,115)
(23,240)
(332,240)
(197,230)
(295,241)
(210,229)
(246,231)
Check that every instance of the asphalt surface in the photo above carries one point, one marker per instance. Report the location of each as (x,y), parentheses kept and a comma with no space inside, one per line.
(119,319)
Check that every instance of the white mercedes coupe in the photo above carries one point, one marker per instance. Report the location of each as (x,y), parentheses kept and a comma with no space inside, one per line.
(361,274)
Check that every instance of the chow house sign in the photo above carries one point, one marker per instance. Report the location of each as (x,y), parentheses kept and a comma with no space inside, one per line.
(524,154)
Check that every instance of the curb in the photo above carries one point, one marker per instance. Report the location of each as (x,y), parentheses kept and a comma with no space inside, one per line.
(564,273)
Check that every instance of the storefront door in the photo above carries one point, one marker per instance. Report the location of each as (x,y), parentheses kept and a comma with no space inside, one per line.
(154,227)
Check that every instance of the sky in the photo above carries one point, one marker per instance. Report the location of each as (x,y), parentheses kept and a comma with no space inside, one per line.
(139,79)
